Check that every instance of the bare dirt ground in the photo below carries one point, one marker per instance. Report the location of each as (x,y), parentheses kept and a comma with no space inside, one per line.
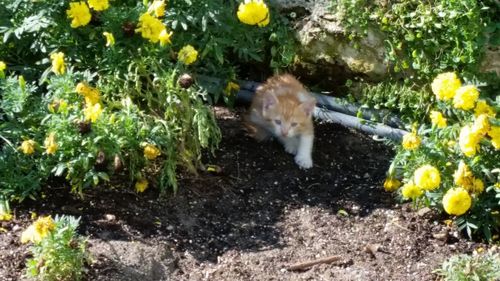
(254,219)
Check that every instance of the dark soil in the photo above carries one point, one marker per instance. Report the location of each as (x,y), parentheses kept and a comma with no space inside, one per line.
(252,220)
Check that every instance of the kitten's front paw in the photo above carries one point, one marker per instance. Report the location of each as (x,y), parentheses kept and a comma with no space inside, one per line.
(291,148)
(304,161)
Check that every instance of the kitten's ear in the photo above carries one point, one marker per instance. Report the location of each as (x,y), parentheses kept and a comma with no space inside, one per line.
(269,101)
(308,106)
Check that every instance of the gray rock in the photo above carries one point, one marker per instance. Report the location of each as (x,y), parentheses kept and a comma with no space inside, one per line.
(491,61)
(325,47)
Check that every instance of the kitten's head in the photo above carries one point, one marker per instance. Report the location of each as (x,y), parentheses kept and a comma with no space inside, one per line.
(289,114)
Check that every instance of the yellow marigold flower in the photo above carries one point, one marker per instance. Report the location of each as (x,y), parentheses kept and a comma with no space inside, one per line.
(457,201)
(81,88)
(411,191)
(99,5)
(391,184)
(482,107)
(58,65)
(437,119)
(164,37)
(478,186)
(151,152)
(3,66)
(158,7)
(110,39)
(50,144)
(79,13)
(187,55)
(479,250)
(411,141)
(427,177)
(451,143)
(468,141)
(38,230)
(445,85)
(494,134)
(231,87)
(92,112)
(5,217)
(28,147)
(481,125)
(141,185)
(150,27)
(254,12)
(465,98)
(92,95)
(463,177)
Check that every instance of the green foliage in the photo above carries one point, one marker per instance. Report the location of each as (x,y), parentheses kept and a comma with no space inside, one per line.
(60,255)
(482,267)
(424,38)
(409,101)
(20,176)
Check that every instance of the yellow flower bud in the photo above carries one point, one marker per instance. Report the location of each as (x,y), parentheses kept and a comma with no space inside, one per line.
(58,66)
(141,185)
(187,55)
(28,147)
(391,184)
(151,152)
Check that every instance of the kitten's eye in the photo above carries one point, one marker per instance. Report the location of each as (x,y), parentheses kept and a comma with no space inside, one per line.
(293,124)
(277,121)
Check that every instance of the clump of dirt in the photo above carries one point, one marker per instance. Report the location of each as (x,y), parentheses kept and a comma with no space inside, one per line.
(253,218)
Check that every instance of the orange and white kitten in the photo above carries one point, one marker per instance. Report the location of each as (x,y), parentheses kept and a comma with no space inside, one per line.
(283,109)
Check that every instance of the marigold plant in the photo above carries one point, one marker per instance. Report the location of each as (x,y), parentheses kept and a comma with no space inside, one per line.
(84,84)
(59,253)
(454,167)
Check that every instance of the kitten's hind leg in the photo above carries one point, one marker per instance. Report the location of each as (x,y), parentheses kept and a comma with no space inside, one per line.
(261,134)
(291,144)
(256,132)
(254,129)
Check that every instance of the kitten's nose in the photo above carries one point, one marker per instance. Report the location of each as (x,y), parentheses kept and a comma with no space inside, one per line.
(284,132)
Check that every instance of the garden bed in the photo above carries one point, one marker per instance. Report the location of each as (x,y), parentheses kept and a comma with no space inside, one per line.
(254,218)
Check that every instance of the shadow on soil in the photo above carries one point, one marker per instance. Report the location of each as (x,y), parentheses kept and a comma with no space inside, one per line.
(241,207)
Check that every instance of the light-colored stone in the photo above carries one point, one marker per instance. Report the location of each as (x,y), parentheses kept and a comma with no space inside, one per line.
(325,47)
(491,61)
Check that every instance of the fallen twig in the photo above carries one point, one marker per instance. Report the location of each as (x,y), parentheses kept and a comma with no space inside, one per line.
(399,226)
(307,264)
